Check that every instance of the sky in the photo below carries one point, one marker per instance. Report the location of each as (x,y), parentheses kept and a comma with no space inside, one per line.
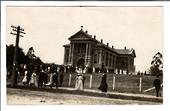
(48,29)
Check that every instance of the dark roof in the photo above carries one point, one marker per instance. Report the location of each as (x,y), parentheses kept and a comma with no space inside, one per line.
(89,37)
(103,45)
(126,52)
(123,51)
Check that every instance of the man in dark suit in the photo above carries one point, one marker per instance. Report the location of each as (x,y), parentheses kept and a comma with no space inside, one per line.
(157,85)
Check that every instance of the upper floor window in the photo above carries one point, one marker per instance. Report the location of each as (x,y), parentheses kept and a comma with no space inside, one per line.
(95,58)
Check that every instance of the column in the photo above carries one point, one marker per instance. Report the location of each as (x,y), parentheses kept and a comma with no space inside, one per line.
(69,60)
(86,55)
(89,53)
(111,60)
(72,54)
(89,50)
(108,61)
(64,55)
(100,57)
(133,66)
(104,60)
(129,65)
(114,65)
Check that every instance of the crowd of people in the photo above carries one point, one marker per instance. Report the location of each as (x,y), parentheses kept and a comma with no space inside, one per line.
(40,76)
(52,76)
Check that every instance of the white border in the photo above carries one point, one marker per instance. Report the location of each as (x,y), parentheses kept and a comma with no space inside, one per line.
(166,19)
(82,3)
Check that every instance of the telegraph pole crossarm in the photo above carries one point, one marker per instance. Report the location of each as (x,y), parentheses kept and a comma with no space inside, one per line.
(16,31)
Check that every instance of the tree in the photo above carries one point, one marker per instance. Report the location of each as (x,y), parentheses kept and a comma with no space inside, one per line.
(21,58)
(157,64)
(33,61)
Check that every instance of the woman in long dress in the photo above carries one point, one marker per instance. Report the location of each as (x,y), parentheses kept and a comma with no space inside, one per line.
(24,81)
(79,82)
(55,80)
(103,85)
(50,81)
(33,81)
(41,79)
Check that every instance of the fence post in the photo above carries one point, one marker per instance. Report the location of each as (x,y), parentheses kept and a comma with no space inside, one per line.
(140,84)
(69,82)
(113,82)
(90,85)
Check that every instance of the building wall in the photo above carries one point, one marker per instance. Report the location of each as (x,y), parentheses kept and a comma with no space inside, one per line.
(98,55)
(94,53)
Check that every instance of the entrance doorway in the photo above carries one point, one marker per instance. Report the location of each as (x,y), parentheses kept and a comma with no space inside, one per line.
(80,63)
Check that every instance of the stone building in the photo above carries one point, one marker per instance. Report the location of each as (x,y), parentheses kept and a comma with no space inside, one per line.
(84,50)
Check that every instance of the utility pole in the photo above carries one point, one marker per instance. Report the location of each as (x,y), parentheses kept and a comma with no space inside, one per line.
(17,31)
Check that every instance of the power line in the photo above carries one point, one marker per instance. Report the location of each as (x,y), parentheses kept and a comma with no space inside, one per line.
(16,31)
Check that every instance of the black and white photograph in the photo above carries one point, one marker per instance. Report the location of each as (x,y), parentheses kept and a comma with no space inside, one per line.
(84,55)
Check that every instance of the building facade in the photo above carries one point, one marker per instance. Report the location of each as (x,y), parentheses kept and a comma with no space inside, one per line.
(84,50)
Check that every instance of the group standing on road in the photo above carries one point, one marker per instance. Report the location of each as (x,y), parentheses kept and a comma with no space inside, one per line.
(49,76)
(53,77)
(46,77)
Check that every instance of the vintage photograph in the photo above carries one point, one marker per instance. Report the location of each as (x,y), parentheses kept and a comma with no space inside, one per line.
(88,55)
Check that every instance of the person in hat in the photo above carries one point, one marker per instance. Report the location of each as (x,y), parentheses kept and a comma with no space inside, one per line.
(55,77)
(79,81)
(61,72)
(157,85)
(24,80)
(103,85)
(33,80)
(41,78)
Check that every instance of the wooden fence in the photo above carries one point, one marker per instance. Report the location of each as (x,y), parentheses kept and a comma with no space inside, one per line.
(118,83)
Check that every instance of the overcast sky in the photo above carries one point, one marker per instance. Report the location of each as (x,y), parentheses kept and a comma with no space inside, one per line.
(48,29)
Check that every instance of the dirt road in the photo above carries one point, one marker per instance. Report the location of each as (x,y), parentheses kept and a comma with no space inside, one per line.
(27,97)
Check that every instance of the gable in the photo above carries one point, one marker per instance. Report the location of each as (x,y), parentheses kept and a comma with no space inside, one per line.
(81,35)
(133,53)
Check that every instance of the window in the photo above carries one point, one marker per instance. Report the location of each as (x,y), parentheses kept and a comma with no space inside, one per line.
(95,58)
(106,62)
(110,61)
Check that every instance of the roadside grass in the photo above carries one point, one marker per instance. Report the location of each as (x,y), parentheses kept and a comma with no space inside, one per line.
(123,83)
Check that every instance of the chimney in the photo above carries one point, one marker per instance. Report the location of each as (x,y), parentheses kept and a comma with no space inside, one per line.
(81,27)
(107,44)
(112,47)
(101,40)
(125,47)
(94,37)
(86,31)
